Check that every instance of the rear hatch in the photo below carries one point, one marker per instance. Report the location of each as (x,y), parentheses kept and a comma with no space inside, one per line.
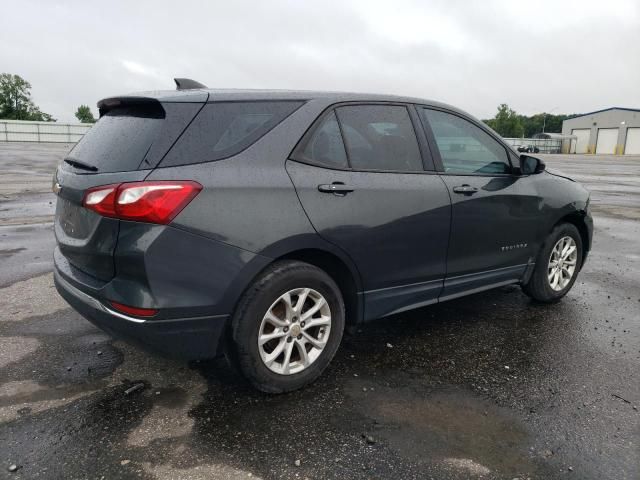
(130,139)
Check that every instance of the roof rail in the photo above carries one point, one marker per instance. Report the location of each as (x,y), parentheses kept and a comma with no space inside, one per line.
(187,84)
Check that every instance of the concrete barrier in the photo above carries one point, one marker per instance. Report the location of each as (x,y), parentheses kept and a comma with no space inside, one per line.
(50,132)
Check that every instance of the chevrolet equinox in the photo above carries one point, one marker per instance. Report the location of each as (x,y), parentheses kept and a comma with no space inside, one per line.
(261,224)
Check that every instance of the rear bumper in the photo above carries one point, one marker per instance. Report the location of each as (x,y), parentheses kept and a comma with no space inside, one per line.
(187,338)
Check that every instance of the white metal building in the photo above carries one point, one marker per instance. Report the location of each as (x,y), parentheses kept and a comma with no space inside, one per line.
(610,131)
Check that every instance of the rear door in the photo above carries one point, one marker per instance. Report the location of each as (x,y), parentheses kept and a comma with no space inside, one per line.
(123,146)
(495,212)
(361,179)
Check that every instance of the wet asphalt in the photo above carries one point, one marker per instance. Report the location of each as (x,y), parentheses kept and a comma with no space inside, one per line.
(488,386)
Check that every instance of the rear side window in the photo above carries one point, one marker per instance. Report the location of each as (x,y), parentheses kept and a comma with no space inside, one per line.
(380,137)
(325,147)
(124,137)
(224,129)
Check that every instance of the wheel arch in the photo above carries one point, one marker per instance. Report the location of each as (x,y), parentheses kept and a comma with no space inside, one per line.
(343,274)
(577,219)
(312,249)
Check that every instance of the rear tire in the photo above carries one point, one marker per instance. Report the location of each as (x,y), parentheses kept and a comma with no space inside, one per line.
(557,265)
(287,327)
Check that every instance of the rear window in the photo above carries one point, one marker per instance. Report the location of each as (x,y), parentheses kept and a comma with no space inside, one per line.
(224,129)
(132,137)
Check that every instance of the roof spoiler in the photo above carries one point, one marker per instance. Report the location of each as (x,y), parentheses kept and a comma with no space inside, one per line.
(187,84)
(107,104)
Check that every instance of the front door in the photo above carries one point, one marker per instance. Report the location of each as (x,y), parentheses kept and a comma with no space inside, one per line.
(495,227)
(360,178)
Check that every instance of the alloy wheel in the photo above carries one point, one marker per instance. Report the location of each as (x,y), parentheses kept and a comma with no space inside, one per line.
(562,263)
(294,331)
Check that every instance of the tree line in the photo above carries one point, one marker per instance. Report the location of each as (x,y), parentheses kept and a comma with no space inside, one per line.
(16,102)
(508,123)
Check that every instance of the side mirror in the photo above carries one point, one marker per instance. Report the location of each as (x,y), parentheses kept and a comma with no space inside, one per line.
(531,165)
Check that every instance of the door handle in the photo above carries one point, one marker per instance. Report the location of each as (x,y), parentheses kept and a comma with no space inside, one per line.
(465,189)
(337,188)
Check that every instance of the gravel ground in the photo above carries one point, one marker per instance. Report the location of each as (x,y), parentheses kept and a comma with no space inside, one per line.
(488,386)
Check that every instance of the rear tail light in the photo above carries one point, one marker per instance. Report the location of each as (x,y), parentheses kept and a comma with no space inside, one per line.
(137,311)
(101,200)
(152,202)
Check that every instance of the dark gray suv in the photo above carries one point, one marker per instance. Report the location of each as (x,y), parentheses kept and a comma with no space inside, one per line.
(261,224)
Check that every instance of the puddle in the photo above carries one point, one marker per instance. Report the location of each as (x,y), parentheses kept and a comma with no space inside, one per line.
(447,425)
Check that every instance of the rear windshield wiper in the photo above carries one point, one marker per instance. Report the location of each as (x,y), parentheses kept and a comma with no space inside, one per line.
(81,165)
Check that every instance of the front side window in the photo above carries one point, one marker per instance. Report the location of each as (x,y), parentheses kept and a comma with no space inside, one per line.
(379,137)
(325,147)
(466,149)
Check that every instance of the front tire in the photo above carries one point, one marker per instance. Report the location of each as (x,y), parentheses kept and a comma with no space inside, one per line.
(557,265)
(287,327)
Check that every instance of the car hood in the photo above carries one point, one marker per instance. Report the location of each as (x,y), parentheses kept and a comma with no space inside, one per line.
(558,173)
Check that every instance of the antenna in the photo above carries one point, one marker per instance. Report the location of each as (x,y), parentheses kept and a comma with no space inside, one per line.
(187,84)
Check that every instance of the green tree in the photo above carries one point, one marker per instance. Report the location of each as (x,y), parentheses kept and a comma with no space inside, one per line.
(550,123)
(15,100)
(506,122)
(507,125)
(532,124)
(84,115)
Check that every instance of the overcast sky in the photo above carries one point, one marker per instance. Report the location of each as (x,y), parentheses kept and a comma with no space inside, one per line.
(566,56)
